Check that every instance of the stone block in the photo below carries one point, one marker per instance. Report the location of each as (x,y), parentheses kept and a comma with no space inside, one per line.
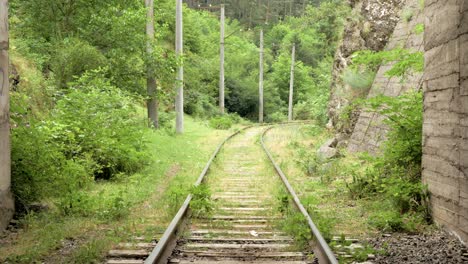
(464,23)
(438,130)
(464,121)
(414,42)
(444,82)
(464,86)
(461,132)
(464,55)
(462,104)
(463,144)
(445,215)
(464,184)
(437,177)
(442,60)
(441,117)
(442,20)
(444,96)
(443,167)
(326,152)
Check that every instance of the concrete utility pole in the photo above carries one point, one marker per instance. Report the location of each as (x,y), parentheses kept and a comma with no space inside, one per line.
(152,103)
(260,82)
(291,83)
(221,67)
(179,104)
(6,198)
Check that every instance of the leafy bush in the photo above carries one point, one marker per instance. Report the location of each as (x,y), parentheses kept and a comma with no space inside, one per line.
(276,117)
(312,109)
(98,120)
(397,173)
(74,57)
(94,130)
(403,115)
(166,119)
(221,122)
(202,204)
(40,169)
(359,80)
(405,61)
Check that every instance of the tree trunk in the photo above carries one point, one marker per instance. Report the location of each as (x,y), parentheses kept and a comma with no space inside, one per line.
(291,84)
(179,104)
(221,67)
(6,199)
(260,82)
(152,103)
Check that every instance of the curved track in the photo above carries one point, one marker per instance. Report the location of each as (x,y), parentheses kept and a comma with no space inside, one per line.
(243,227)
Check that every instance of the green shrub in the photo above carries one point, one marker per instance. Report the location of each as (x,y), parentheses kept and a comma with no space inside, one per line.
(166,119)
(405,61)
(98,120)
(40,168)
(276,117)
(314,108)
(396,174)
(200,105)
(360,81)
(221,122)
(419,29)
(201,204)
(74,57)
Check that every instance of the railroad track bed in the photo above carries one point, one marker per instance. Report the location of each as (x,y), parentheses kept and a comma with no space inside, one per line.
(244,225)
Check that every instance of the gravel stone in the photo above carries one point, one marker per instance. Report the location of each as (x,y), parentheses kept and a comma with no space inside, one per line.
(436,247)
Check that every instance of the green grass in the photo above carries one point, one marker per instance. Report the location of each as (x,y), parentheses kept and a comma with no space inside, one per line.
(126,207)
(325,194)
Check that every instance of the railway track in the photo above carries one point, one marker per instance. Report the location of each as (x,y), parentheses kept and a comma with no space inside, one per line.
(244,226)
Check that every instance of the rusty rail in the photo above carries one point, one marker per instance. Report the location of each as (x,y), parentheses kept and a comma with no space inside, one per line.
(321,249)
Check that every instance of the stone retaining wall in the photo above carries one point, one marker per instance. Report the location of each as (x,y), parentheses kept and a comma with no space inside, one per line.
(445,130)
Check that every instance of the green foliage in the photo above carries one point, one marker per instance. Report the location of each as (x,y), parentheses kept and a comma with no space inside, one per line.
(94,130)
(306,159)
(112,134)
(404,117)
(201,204)
(359,80)
(176,195)
(72,58)
(295,223)
(276,117)
(419,29)
(40,169)
(405,61)
(221,122)
(397,173)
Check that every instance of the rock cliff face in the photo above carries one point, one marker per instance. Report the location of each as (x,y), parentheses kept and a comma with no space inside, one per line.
(369,130)
(369,27)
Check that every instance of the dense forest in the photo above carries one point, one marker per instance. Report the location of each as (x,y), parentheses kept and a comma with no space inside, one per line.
(71,59)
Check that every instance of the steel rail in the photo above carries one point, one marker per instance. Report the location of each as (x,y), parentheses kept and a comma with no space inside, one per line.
(163,250)
(321,249)
(167,243)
